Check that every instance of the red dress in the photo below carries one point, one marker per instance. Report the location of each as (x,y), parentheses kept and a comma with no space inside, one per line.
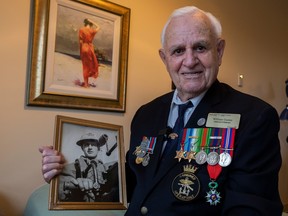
(87,54)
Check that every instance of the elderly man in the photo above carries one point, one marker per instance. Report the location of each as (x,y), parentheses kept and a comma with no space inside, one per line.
(219,155)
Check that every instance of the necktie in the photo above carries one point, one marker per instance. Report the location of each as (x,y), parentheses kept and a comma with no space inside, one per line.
(178,129)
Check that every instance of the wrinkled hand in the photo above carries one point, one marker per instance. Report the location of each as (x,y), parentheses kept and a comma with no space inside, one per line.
(52,162)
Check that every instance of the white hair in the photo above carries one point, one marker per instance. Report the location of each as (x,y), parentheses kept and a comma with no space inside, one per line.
(216,25)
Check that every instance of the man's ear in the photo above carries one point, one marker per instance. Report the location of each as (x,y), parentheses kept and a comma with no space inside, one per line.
(162,55)
(220,49)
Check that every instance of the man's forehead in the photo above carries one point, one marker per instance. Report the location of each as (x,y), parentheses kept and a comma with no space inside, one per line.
(192,33)
(188,26)
(190,22)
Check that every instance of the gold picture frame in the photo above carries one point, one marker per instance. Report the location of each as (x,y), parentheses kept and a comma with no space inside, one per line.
(93,152)
(55,67)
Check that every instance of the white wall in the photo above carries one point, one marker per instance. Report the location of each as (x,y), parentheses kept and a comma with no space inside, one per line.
(256,33)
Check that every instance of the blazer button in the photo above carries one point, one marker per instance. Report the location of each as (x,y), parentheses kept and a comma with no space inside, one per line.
(144,210)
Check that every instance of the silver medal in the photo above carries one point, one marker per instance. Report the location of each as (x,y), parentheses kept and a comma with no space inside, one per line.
(146,159)
(201,157)
(225,159)
(212,158)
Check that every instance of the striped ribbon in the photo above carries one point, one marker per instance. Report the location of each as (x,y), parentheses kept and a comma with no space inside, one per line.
(227,144)
(152,142)
(218,139)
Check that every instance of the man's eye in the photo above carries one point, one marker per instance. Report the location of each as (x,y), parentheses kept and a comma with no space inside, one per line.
(178,51)
(200,48)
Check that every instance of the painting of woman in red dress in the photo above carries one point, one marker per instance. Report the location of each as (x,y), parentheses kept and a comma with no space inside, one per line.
(90,63)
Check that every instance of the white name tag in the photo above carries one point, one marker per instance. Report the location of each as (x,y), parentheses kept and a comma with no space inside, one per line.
(223,120)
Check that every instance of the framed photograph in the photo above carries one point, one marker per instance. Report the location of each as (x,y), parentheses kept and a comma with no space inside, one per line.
(78,54)
(94,172)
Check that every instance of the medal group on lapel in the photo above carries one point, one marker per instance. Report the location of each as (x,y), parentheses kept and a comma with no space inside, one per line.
(210,146)
(143,151)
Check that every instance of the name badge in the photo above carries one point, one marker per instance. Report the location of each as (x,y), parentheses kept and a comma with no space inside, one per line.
(223,120)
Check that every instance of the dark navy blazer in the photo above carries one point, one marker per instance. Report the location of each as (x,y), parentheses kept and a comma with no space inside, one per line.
(248,186)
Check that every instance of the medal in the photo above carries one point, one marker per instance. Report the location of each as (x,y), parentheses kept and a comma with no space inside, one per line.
(211,145)
(225,159)
(186,185)
(214,144)
(138,160)
(191,141)
(213,197)
(180,154)
(137,150)
(213,158)
(150,149)
(145,160)
(143,151)
(201,157)
(214,169)
(227,146)
(190,156)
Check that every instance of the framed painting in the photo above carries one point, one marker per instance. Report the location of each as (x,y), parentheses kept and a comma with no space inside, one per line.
(94,172)
(78,54)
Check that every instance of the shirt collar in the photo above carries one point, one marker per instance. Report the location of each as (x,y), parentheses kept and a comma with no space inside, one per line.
(195,101)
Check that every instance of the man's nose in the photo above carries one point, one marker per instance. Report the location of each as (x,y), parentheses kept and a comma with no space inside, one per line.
(190,58)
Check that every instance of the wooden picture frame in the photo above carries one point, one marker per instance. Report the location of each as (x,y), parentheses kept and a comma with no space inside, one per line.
(59,76)
(94,154)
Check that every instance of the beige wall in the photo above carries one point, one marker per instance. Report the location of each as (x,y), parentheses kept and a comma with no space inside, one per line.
(256,33)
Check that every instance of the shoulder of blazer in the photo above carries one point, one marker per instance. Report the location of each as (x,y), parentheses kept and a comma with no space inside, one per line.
(166,98)
(222,92)
(217,92)
(161,101)
(159,107)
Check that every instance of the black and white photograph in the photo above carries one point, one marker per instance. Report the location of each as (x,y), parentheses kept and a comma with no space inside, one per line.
(93,170)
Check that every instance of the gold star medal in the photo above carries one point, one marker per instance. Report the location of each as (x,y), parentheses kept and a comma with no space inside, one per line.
(190,155)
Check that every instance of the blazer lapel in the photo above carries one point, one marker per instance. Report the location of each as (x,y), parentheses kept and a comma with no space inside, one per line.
(153,164)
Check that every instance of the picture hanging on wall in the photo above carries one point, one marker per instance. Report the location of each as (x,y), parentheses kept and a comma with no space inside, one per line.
(78,54)
(94,174)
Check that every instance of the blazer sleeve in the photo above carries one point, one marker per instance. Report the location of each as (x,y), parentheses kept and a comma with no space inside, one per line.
(252,184)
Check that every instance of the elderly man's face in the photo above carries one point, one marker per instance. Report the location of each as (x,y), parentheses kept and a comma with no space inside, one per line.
(192,54)
(90,150)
